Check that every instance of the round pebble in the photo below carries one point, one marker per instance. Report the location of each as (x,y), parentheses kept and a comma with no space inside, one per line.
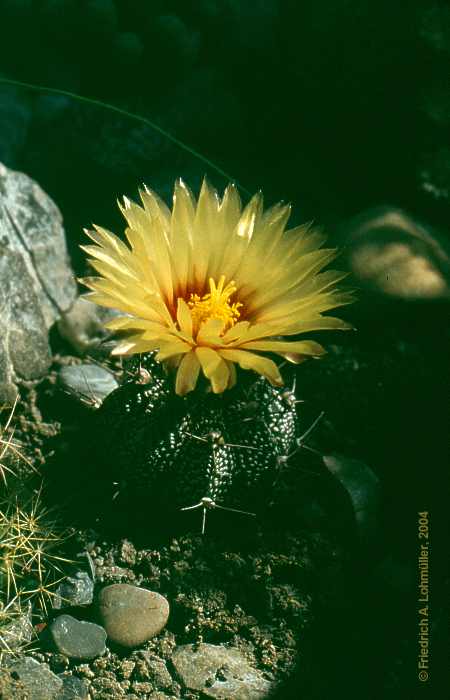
(131,615)
(76,639)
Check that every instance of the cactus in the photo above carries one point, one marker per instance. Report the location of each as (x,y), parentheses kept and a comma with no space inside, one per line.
(30,543)
(213,288)
(16,630)
(9,449)
(203,450)
(30,564)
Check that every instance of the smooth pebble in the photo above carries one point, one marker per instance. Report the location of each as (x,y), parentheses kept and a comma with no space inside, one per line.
(131,615)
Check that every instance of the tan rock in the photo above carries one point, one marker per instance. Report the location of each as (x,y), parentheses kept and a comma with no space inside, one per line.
(131,615)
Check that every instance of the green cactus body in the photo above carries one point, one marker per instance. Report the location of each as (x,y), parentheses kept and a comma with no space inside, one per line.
(227,449)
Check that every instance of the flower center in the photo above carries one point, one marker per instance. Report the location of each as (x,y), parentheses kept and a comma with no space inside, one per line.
(215,304)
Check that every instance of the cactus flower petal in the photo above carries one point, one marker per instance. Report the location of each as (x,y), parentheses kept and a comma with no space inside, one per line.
(187,373)
(211,285)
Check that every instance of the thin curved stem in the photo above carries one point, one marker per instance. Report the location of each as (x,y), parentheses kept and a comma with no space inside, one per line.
(129,115)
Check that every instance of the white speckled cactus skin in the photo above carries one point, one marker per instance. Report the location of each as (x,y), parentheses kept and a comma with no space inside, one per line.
(229,448)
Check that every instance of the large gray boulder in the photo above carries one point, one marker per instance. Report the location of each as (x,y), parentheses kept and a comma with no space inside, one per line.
(36,281)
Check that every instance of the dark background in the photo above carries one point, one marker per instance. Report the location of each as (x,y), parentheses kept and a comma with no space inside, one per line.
(336,106)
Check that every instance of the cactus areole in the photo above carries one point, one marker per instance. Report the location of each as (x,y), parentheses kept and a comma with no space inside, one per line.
(208,289)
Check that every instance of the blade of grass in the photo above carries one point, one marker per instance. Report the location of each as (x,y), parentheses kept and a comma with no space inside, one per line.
(129,115)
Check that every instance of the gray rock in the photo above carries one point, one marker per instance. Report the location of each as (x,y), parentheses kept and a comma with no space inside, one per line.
(393,254)
(219,672)
(39,682)
(10,686)
(73,688)
(24,345)
(156,670)
(77,639)
(8,390)
(90,384)
(83,327)
(19,631)
(75,590)
(37,281)
(131,615)
(34,227)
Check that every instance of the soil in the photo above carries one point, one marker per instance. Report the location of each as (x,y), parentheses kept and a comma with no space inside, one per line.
(296,589)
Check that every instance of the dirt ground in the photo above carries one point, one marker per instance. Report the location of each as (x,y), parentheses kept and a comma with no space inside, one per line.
(298,589)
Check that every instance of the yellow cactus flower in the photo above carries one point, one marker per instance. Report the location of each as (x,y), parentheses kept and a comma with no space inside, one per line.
(210,284)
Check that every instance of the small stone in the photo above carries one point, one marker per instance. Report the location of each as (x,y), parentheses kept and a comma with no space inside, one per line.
(219,672)
(107,686)
(86,671)
(131,615)
(127,553)
(18,631)
(39,682)
(89,384)
(73,688)
(156,671)
(77,639)
(10,687)
(83,325)
(394,255)
(141,688)
(75,590)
